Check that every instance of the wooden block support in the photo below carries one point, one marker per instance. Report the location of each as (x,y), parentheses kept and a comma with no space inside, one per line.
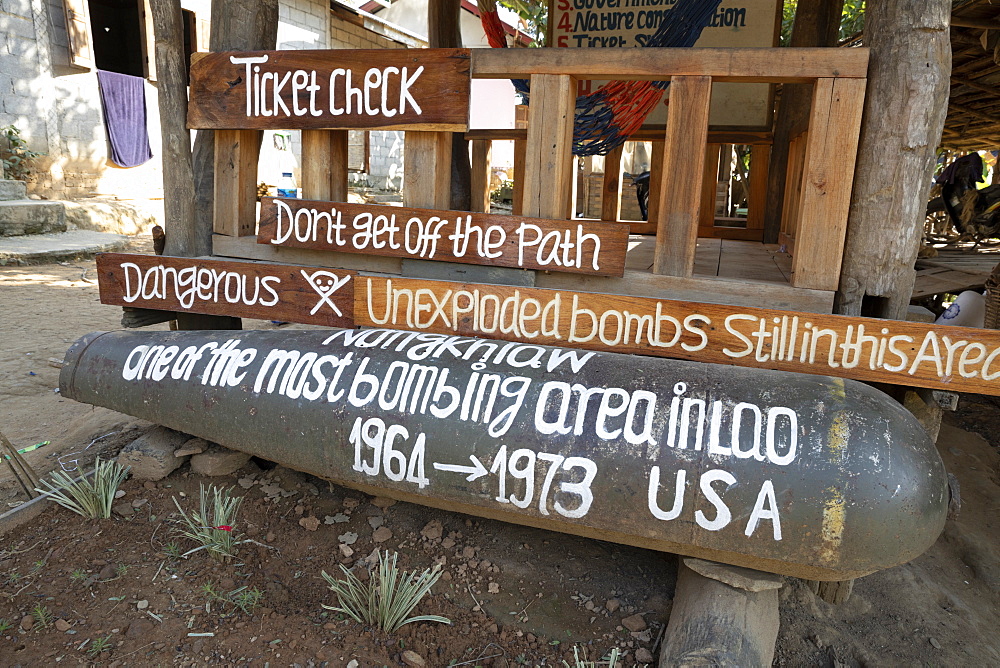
(235,205)
(683,155)
(827,180)
(709,185)
(760,156)
(324,165)
(611,186)
(520,154)
(482,153)
(427,170)
(548,177)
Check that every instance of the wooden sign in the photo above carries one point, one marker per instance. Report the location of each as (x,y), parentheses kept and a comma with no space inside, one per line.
(221,287)
(953,358)
(735,23)
(449,236)
(406,89)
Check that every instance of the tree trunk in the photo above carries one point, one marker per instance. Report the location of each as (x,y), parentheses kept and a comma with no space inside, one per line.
(444,31)
(817,23)
(905,108)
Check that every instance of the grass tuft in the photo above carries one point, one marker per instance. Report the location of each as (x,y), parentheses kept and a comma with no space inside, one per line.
(217,508)
(91,495)
(386,600)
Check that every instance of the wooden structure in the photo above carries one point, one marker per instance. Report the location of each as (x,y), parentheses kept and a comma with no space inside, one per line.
(973,121)
(816,240)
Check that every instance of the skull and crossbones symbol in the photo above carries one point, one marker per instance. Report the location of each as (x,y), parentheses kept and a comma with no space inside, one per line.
(325,283)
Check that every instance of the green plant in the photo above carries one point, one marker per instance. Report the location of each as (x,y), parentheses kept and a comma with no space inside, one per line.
(4,626)
(208,589)
(172,550)
(610,660)
(15,157)
(385,600)
(91,495)
(212,525)
(38,565)
(99,645)
(121,570)
(78,575)
(42,615)
(245,599)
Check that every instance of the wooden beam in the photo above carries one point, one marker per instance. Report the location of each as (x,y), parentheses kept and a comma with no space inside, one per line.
(427,170)
(482,151)
(611,185)
(982,24)
(548,178)
(653,64)
(652,132)
(683,155)
(827,180)
(655,188)
(520,155)
(709,185)
(759,156)
(235,199)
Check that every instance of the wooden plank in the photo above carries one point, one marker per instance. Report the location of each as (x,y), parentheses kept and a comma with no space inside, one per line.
(736,64)
(224,287)
(756,202)
(247,248)
(827,180)
(724,232)
(548,177)
(652,132)
(611,185)
(793,186)
(397,89)
(520,157)
(482,151)
(709,185)
(589,247)
(868,349)
(683,155)
(235,201)
(324,165)
(427,169)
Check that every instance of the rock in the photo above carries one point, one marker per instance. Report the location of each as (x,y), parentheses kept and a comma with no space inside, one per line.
(27,623)
(376,521)
(139,628)
(493,588)
(124,509)
(346,551)
(151,456)
(353,663)
(934,643)
(351,503)
(432,530)
(107,573)
(411,658)
(634,623)
(643,655)
(382,534)
(348,538)
(383,503)
(309,523)
(612,604)
(195,446)
(62,625)
(142,605)
(746,579)
(336,519)
(217,460)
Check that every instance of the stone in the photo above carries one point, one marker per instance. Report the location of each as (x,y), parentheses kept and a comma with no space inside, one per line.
(383,502)
(309,523)
(643,655)
(195,446)
(142,605)
(634,623)
(413,659)
(23,217)
(124,509)
(217,460)
(27,623)
(382,534)
(346,551)
(432,530)
(62,625)
(151,456)
(746,579)
(12,190)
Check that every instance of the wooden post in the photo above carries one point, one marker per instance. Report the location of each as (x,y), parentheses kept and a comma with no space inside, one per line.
(611,186)
(520,155)
(709,185)
(427,170)
(324,165)
(683,155)
(236,155)
(817,23)
(759,156)
(548,177)
(482,152)
(905,108)
(444,30)
(721,616)
(834,123)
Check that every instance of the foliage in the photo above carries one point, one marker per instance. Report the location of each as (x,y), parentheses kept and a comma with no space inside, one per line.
(534,17)
(244,599)
(4,625)
(99,645)
(42,615)
(91,495)
(852,20)
(212,525)
(387,598)
(15,155)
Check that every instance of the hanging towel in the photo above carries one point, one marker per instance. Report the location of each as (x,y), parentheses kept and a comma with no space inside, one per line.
(123,99)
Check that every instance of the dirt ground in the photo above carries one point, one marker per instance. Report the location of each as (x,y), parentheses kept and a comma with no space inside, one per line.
(516,596)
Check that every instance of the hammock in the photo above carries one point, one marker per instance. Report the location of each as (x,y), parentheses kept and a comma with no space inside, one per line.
(606,118)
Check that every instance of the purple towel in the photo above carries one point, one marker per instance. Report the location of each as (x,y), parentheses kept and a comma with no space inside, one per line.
(123,100)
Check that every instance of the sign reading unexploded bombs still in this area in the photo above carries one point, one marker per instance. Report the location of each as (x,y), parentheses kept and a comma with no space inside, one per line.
(219,287)
(584,247)
(631,23)
(409,89)
(808,476)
